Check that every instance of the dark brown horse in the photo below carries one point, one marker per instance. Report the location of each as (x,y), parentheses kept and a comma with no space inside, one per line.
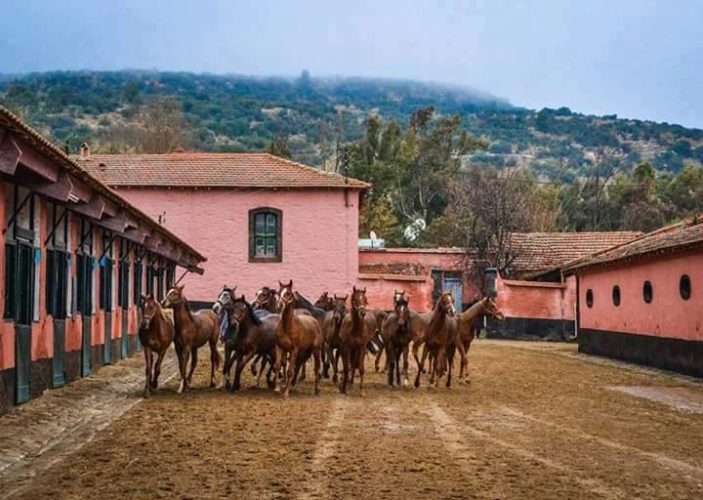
(439,341)
(299,336)
(156,335)
(466,328)
(357,330)
(253,334)
(380,338)
(330,335)
(192,331)
(325,302)
(267,299)
(397,335)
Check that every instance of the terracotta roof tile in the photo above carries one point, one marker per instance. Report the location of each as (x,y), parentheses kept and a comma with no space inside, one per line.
(237,170)
(538,253)
(683,235)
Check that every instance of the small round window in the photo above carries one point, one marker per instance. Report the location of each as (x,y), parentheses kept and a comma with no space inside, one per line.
(616,295)
(647,292)
(589,298)
(685,287)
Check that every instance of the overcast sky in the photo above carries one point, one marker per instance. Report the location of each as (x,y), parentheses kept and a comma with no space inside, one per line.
(635,58)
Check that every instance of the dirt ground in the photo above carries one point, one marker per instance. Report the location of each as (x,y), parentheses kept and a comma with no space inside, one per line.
(537,421)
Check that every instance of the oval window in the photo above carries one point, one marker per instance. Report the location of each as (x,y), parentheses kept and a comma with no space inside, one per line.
(589,298)
(647,292)
(616,295)
(685,287)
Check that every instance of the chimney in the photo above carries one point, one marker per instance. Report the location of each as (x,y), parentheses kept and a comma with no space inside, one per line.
(85,151)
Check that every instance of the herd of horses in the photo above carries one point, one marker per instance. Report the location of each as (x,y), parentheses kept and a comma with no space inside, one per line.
(281,330)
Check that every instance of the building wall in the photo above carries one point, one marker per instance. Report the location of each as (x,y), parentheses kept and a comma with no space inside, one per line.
(666,333)
(535,309)
(668,315)
(320,230)
(381,286)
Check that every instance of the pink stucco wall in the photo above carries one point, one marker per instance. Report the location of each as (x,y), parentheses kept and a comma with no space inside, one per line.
(320,230)
(668,315)
(381,286)
(537,300)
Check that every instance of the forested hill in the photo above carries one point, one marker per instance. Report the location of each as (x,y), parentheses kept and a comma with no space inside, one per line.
(238,113)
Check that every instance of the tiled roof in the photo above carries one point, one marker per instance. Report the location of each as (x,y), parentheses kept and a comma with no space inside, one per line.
(538,253)
(237,170)
(684,235)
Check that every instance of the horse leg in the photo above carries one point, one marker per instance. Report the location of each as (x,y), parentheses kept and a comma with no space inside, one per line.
(360,365)
(261,368)
(345,370)
(390,354)
(416,348)
(377,362)
(397,355)
(214,361)
(241,364)
(193,364)
(317,353)
(183,365)
(278,354)
(420,364)
(147,361)
(254,370)
(450,361)
(406,381)
(157,369)
(291,369)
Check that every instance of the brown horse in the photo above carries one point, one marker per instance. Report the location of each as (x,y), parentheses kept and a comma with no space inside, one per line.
(299,336)
(380,337)
(466,328)
(267,299)
(439,341)
(155,334)
(330,335)
(325,302)
(357,330)
(397,335)
(193,330)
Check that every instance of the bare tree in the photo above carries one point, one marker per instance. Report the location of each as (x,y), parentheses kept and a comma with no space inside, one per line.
(163,126)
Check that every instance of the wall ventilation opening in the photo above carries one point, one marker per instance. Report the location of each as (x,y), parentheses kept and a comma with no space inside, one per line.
(685,287)
(589,298)
(647,292)
(616,295)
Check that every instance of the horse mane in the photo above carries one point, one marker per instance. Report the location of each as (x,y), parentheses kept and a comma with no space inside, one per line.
(250,311)
(474,310)
(306,304)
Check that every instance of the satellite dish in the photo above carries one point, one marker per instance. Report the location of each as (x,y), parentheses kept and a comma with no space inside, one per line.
(373,235)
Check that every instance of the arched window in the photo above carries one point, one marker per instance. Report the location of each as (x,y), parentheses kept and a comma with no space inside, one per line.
(265,230)
(616,295)
(685,287)
(647,292)
(589,298)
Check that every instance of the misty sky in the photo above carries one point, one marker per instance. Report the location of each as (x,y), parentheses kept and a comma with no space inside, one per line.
(636,58)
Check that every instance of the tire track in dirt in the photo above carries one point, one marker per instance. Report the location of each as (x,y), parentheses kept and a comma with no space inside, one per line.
(660,459)
(451,431)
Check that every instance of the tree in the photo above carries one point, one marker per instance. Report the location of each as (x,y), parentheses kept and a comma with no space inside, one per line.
(163,127)
(279,145)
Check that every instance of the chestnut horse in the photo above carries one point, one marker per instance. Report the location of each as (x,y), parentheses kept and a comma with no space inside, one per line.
(156,335)
(330,336)
(439,341)
(397,335)
(299,336)
(192,331)
(466,328)
(357,330)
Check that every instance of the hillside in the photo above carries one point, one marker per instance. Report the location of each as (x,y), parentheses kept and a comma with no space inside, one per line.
(238,113)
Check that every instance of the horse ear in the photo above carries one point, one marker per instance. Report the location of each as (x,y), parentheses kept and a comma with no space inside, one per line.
(280,285)
(179,287)
(364,290)
(290,283)
(243,297)
(144,298)
(353,288)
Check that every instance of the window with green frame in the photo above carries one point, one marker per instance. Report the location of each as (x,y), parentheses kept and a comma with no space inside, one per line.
(265,235)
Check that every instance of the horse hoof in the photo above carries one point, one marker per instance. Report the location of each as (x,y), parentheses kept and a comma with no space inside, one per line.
(285,395)
(362,394)
(154,384)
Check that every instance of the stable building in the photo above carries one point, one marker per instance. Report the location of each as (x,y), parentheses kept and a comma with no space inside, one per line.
(76,258)
(260,218)
(642,301)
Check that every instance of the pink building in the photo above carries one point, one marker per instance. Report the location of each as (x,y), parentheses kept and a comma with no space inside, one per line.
(259,218)
(643,302)
(75,259)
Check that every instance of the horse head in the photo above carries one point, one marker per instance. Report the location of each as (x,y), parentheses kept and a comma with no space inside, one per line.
(174,296)
(324,302)
(491,308)
(339,308)
(150,308)
(285,294)
(265,299)
(445,304)
(359,301)
(225,299)
(401,307)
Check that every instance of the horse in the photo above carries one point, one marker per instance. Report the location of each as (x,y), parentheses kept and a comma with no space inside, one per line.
(266,299)
(325,302)
(330,336)
(357,330)
(439,341)
(254,334)
(192,331)
(466,328)
(396,333)
(380,339)
(300,337)
(156,335)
